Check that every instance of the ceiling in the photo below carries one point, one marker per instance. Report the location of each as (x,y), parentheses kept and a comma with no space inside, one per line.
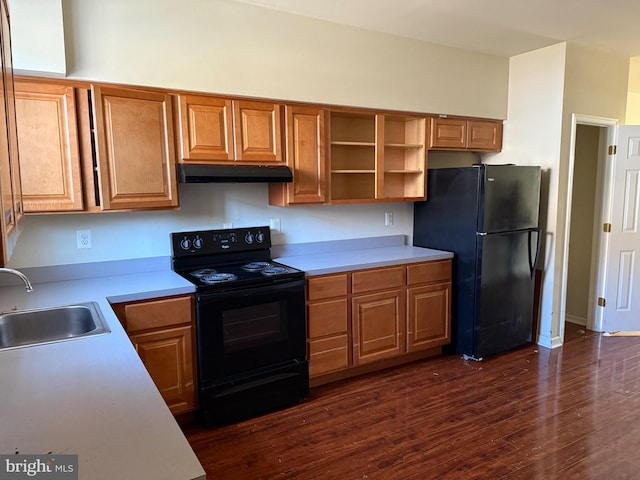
(496,27)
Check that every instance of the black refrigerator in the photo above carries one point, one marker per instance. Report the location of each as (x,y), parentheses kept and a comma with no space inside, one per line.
(487,215)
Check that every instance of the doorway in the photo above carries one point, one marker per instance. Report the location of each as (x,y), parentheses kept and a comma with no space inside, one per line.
(588,193)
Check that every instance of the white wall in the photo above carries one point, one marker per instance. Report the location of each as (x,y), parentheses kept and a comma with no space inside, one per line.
(227,47)
(532,136)
(37,35)
(51,239)
(633,95)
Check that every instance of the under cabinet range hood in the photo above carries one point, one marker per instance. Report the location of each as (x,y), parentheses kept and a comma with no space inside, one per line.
(199,173)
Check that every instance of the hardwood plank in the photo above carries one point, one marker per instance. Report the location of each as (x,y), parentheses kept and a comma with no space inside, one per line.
(533,413)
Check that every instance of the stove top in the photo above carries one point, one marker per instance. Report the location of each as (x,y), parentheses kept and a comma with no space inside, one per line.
(229,258)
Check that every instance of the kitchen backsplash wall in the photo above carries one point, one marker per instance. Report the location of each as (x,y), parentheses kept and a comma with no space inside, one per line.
(51,239)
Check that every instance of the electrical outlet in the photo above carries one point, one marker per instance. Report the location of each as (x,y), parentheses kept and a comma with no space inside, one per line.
(388,219)
(227,225)
(83,238)
(274,224)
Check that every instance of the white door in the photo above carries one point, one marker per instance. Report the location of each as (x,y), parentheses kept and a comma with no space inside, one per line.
(622,310)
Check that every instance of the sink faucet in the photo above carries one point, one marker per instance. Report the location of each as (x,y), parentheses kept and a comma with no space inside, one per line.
(22,276)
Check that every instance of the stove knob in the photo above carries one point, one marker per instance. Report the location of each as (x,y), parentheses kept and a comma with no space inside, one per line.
(197,243)
(185,243)
(248,238)
(260,237)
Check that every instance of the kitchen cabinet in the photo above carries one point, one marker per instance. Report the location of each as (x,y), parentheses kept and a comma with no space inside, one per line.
(364,320)
(135,148)
(454,133)
(376,157)
(49,147)
(428,305)
(10,188)
(378,313)
(161,331)
(305,156)
(328,324)
(94,148)
(220,130)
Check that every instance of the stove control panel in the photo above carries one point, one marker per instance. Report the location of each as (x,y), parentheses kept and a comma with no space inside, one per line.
(210,242)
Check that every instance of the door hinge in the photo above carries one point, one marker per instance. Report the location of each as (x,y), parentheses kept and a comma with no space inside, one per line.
(601,302)
(612,149)
(606,228)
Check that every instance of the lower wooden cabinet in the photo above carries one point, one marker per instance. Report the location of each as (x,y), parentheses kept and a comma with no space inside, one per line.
(428,305)
(167,354)
(328,324)
(161,330)
(367,319)
(425,306)
(378,326)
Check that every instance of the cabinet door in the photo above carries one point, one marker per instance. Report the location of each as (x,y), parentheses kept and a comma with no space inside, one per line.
(448,133)
(484,135)
(429,314)
(257,132)
(10,196)
(136,159)
(48,144)
(378,326)
(305,156)
(206,128)
(167,356)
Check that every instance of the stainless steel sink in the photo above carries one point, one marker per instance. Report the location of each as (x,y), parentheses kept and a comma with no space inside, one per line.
(47,325)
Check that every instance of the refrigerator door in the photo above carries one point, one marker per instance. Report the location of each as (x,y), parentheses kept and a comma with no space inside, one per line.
(504,291)
(511,196)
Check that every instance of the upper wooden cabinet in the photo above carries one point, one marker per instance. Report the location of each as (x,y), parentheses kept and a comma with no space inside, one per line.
(218,130)
(92,148)
(135,148)
(49,148)
(376,157)
(465,134)
(257,131)
(11,208)
(305,155)
(205,127)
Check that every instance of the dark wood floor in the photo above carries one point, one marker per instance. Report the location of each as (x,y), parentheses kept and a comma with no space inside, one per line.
(571,412)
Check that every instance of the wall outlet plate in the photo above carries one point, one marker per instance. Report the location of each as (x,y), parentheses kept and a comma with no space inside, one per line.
(83,238)
(274,224)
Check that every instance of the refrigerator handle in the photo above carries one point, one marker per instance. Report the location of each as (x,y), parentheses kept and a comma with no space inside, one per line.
(534,260)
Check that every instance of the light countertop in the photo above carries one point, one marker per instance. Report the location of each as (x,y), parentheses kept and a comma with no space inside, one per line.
(346,255)
(92,396)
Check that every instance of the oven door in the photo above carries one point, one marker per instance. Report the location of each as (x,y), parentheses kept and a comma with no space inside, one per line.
(241,330)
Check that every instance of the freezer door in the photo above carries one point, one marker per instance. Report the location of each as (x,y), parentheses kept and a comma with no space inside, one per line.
(505,285)
(511,197)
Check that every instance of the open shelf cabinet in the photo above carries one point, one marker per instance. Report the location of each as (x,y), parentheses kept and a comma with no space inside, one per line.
(376,157)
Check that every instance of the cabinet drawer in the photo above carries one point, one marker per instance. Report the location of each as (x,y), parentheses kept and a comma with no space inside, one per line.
(429,272)
(328,354)
(378,279)
(328,318)
(157,314)
(327,286)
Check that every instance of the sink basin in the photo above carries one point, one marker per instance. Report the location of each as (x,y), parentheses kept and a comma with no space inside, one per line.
(47,325)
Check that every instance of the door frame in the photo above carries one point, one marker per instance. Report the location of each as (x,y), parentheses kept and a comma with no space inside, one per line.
(604,190)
